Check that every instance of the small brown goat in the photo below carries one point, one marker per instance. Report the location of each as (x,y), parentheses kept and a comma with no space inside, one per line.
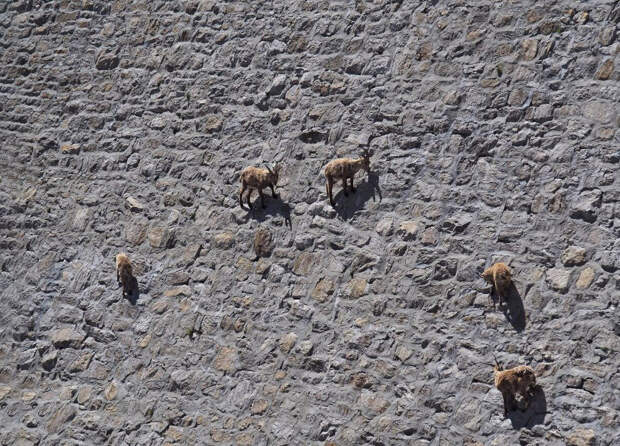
(257,178)
(518,380)
(345,169)
(124,273)
(500,276)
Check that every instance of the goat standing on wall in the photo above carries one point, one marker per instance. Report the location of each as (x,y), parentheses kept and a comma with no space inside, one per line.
(257,178)
(124,273)
(519,380)
(345,169)
(500,276)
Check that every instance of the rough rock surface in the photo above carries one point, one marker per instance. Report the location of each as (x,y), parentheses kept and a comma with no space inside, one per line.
(124,127)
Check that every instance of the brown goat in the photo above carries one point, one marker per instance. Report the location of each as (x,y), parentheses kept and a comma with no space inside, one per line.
(345,169)
(500,276)
(257,178)
(518,380)
(124,273)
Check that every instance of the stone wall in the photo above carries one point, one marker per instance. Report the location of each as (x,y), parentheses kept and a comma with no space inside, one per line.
(125,125)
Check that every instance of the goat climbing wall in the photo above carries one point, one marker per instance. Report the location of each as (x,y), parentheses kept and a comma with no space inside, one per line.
(125,125)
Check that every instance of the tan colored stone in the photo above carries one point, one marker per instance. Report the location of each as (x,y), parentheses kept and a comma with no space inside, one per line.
(585,278)
(84,394)
(403,353)
(303,264)
(185,305)
(134,204)
(581,17)
(356,288)
(573,255)
(262,266)
(385,226)
(174,433)
(408,230)
(534,15)
(360,322)
(159,237)
(323,289)
(244,268)
(474,35)
(259,406)
(160,306)
(605,132)
(558,278)
(581,437)
(605,70)
(28,395)
(184,290)
(63,415)
(529,47)
(67,337)
(374,402)
(145,341)
(224,240)
(135,233)
(489,82)
(226,359)
(287,342)
(111,392)
(213,124)
(430,236)
(70,148)
(81,363)
(4,391)
(219,436)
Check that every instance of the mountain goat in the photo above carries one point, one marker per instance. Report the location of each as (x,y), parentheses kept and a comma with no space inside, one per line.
(124,273)
(345,169)
(518,380)
(257,178)
(500,276)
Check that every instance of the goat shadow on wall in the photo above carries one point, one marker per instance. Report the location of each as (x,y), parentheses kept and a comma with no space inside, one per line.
(533,415)
(133,291)
(273,206)
(347,206)
(513,309)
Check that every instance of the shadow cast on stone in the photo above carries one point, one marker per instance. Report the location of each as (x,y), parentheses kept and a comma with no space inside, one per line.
(513,309)
(347,205)
(133,291)
(534,414)
(273,206)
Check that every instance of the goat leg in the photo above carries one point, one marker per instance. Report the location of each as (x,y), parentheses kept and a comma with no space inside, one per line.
(243,187)
(248,197)
(507,403)
(344,187)
(273,192)
(329,185)
(262,198)
(352,188)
